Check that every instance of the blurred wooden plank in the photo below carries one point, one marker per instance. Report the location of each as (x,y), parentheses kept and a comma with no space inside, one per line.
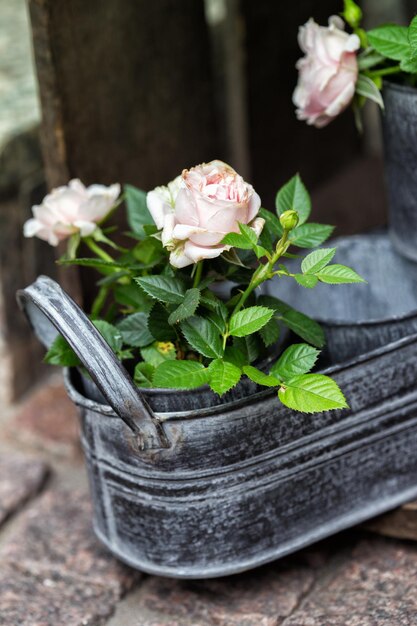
(126,89)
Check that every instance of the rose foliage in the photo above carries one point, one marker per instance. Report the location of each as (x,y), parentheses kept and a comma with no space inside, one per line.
(182,305)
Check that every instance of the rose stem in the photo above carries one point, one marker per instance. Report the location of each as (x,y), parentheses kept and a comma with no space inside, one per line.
(198,273)
(97,250)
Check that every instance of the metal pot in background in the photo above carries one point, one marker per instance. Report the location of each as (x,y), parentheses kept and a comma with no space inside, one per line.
(361,317)
(399,125)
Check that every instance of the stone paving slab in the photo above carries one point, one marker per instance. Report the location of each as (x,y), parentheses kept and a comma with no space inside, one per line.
(375,586)
(55,599)
(53,571)
(261,597)
(20,479)
(47,420)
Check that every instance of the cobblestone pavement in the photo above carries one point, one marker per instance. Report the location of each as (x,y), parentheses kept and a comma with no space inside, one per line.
(54,572)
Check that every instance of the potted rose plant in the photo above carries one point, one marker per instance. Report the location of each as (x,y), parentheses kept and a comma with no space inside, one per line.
(340,69)
(194,484)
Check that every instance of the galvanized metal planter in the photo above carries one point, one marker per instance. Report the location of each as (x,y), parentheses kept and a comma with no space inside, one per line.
(399,124)
(220,488)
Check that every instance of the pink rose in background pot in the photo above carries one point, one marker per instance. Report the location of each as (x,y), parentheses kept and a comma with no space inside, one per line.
(327,73)
(200,207)
(70,209)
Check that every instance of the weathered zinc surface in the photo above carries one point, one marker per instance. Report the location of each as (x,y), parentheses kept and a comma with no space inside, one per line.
(227,487)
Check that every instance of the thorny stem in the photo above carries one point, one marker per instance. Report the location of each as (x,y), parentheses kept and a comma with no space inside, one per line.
(262,274)
(102,254)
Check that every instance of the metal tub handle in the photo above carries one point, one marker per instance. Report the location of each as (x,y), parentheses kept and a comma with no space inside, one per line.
(50,311)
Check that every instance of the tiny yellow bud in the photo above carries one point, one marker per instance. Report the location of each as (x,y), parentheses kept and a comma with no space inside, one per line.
(289,219)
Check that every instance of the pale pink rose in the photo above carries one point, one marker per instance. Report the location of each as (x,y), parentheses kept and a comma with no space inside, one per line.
(197,209)
(70,209)
(327,73)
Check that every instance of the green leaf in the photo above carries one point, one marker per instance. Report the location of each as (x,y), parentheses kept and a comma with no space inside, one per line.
(149,252)
(61,353)
(297,359)
(310,235)
(187,308)
(369,58)
(293,195)
(162,288)
(412,38)
(137,210)
(338,274)
(312,393)
(274,303)
(143,374)
(236,354)
(249,320)
(390,40)
(223,376)
(158,323)
(97,263)
(304,327)
(110,333)
(246,239)
(270,332)
(316,260)
(250,346)
(180,375)
(203,336)
(409,65)
(259,377)
(366,87)
(131,296)
(306,280)
(134,330)
(272,227)
(158,352)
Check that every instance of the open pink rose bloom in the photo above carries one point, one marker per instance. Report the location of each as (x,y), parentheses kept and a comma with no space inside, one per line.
(70,209)
(197,209)
(327,73)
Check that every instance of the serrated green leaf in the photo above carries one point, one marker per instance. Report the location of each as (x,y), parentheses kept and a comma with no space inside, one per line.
(158,323)
(338,274)
(149,252)
(412,38)
(304,327)
(137,210)
(316,260)
(249,320)
(180,375)
(158,352)
(297,359)
(409,65)
(203,336)
(390,40)
(236,355)
(187,308)
(132,297)
(270,332)
(258,377)
(134,330)
(310,235)
(110,333)
(163,288)
(272,229)
(223,376)
(61,353)
(236,240)
(312,393)
(143,375)
(369,58)
(367,88)
(306,280)
(250,346)
(294,196)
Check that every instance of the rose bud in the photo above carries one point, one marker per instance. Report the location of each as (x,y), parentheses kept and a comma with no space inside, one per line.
(289,219)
